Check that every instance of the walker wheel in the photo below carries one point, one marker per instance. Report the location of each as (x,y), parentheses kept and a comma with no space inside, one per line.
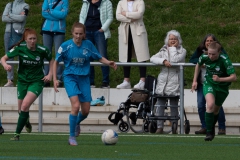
(174,128)
(152,127)
(123,127)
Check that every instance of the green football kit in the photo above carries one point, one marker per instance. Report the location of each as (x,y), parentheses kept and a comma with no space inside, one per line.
(30,69)
(222,67)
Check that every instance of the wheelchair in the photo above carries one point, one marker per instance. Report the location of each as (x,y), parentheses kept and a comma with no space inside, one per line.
(138,114)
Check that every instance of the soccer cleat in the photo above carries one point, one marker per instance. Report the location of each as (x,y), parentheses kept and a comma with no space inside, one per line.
(15,137)
(201,131)
(124,85)
(72,141)
(140,85)
(28,126)
(209,136)
(1,130)
(98,102)
(77,130)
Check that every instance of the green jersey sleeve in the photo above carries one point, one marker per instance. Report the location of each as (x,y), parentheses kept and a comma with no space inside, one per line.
(13,52)
(229,67)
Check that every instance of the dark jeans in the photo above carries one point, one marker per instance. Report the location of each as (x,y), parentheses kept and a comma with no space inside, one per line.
(98,39)
(202,109)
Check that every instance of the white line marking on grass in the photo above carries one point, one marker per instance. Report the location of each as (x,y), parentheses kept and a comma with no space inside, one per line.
(132,135)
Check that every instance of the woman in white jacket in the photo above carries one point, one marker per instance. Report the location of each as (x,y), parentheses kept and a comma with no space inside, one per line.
(132,37)
(168,78)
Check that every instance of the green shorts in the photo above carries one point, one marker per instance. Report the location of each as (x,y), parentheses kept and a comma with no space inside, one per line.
(220,93)
(34,87)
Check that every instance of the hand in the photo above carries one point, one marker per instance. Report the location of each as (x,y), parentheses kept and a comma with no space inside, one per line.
(215,78)
(123,13)
(194,86)
(47,78)
(7,67)
(113,65)
(100,30)
(22,13)
(167,63)
(56,84)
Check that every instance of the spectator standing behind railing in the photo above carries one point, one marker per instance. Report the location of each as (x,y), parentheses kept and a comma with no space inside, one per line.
(30,74)
(132,37)
(76,55)
(15,16)
(169,77)
(54,29)
(97,15)
(201,102)
(219,75)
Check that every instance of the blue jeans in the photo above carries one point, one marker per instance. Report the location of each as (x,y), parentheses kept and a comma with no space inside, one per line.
(98,39)
(48,41)
(202,109)
(10,74)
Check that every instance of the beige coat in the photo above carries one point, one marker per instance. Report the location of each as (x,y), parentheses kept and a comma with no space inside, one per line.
(139,33)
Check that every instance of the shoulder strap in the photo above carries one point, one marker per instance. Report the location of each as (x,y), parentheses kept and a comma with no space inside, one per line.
(56,4)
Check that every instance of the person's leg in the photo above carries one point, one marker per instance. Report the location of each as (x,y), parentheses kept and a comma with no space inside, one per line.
(221,122)
(160,112)
(58,40)
(126,69)
(75,106)
(201,104)
(101,45)
(47,42)
(1,128)
(90,37)
(24,114)
(10,74)
(141,83)
(174,110)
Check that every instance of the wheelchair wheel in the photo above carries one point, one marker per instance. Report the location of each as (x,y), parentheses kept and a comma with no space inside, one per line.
(135,121)
(145,126)
(152,127)
(174,128)
(123,127)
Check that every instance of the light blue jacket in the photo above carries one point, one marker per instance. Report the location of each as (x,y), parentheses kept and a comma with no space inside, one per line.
(106,15)
(55,18)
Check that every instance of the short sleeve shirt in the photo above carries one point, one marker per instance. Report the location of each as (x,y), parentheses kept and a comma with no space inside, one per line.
(77,58)
(31,63)
(222,67)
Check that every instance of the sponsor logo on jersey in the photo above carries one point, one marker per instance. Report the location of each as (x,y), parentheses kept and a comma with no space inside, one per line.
(60,50)
(217,68)
(37,58)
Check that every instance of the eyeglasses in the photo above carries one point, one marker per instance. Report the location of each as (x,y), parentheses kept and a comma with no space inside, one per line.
(173,39)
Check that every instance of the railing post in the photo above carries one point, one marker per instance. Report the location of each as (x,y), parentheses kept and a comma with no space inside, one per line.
(40,112)
(181,99)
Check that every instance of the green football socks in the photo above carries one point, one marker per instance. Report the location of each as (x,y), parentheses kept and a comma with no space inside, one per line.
(22,119)
(209,118)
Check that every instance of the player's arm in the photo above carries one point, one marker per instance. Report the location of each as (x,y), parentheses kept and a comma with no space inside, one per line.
(54,70)
(4,63)
(109,63)
(196,73)
(231,78)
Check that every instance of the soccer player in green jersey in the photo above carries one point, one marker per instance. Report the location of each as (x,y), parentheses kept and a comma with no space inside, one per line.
(30,74)
(219,75)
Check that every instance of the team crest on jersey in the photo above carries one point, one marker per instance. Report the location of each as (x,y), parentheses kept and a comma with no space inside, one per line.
(60,50)
(37,58)
(217,68)
(85,51)
(210,89)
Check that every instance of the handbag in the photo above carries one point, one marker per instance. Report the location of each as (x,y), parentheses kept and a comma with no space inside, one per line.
(14,36)
(138,96)
(41,32)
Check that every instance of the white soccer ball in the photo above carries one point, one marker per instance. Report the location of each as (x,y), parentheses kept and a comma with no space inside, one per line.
(109,137)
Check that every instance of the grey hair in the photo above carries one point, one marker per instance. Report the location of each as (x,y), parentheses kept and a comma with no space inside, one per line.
(176,34)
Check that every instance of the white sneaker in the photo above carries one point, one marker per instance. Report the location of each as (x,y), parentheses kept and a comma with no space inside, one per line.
(124,85)
(9,84)
(140,85)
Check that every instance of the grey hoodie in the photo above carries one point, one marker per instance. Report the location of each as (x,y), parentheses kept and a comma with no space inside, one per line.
(13,15)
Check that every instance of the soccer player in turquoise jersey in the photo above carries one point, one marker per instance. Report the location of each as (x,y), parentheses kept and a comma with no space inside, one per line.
(30,74)
(219,75)
(76,54)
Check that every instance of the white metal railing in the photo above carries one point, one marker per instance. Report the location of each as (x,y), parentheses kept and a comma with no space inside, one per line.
(181,66)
